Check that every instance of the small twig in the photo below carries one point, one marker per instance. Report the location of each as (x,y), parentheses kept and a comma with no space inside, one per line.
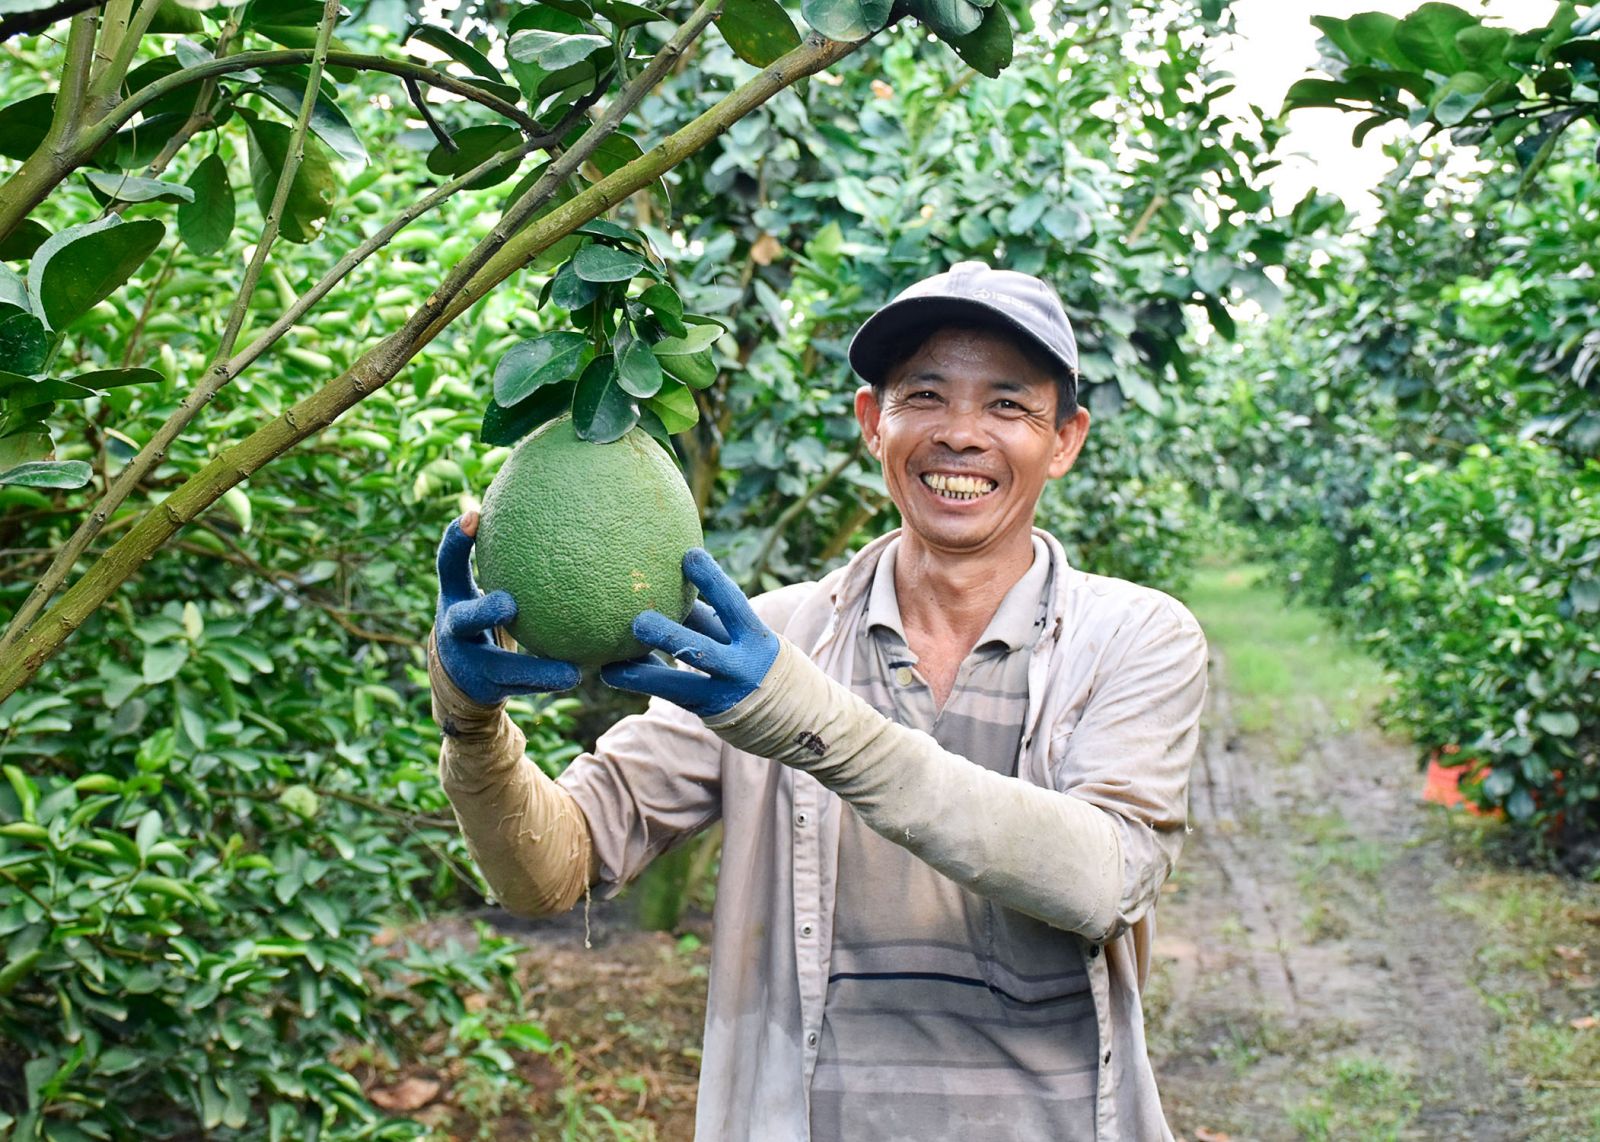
(421,105)
(1143,224)
(150,295)
(790,513)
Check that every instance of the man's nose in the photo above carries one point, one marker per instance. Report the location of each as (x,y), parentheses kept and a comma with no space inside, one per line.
(961,427)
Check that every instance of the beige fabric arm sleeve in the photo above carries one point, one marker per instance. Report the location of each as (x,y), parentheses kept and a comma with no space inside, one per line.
(1049,854)
(526,833)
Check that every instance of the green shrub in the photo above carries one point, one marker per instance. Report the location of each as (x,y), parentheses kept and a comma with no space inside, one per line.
(1481,591)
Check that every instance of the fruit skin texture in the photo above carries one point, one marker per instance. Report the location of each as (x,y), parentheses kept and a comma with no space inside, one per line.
(585,537)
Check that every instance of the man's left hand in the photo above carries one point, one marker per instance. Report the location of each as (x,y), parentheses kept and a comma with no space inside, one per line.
(731,647)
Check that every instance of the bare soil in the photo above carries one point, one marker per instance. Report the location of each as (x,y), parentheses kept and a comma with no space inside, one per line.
(1307,927)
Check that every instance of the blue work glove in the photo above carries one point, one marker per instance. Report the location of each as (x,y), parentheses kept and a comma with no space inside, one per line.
(726,641)
(463,627)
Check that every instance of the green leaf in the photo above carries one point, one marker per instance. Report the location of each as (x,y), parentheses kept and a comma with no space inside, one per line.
(1315,92)
(605,228)
(292,23)
(21,243)
(506,426)
(758,31)
(1562,723)
(328,123)
(83,265)
(948,18)
(129,188)
(173,18)
(846,19)
(1339,36)
(697,370)
(48,474)
(552,50)
(602,410)
(624,14)
(163,661)
(664,302)
(311,194)
(473,146)
(638,371)
(988,51)
(615,151)
(24,124)
(675,405)
(116,378)
(544,360)
(1484,49)
(1374,33)
(571,292)
(24,447)
(1459,98)
(206,223)
(41,392)
(24,345)
(458,50)
(695,339)
(600,263)
(1428,36)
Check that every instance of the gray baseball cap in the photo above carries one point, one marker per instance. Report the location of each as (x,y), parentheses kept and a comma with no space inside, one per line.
(967,292)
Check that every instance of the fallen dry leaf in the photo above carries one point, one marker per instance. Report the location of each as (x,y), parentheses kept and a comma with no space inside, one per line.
(765,249)
(1568,954)
(1585,1023)
(1201,1134)
(407,1094)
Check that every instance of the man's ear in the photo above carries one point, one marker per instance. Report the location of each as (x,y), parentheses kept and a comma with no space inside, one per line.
(868,412)
(1069,442)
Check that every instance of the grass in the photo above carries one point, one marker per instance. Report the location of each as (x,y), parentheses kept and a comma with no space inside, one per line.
(1291,677)
(1537,971)
(1363,1099)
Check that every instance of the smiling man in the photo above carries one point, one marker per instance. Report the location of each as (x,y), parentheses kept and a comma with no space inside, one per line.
(952,775)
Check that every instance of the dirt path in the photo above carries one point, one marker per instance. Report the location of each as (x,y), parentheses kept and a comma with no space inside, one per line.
(1305,981)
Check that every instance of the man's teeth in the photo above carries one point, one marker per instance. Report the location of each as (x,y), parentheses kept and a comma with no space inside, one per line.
(959,487)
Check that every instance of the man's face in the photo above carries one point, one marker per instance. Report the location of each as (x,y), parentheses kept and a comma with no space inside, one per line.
(967,437)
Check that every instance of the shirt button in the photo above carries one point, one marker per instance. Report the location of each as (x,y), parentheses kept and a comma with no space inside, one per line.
(811,1038)
(802,818)
(807,929)
(904,676)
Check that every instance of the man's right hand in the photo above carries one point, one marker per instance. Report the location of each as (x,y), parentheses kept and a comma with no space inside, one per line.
(463,630)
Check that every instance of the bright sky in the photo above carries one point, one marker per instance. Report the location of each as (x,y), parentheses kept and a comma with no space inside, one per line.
(1276,46)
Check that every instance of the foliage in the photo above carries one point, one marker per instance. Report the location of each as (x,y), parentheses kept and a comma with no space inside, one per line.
(1453,71)
(1480,589)
(1418,453)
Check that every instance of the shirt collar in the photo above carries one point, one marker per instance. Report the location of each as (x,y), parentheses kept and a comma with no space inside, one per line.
(1015,623)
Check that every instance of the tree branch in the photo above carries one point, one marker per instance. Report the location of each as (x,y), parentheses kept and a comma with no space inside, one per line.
(67,150)
(496,257)
(216,374)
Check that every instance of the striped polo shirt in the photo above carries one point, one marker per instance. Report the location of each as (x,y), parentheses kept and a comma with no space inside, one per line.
(947,1014)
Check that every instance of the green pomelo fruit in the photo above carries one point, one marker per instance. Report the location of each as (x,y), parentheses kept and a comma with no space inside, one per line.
(585,537)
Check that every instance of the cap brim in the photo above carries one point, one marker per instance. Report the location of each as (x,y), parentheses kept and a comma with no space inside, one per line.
(880,334)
